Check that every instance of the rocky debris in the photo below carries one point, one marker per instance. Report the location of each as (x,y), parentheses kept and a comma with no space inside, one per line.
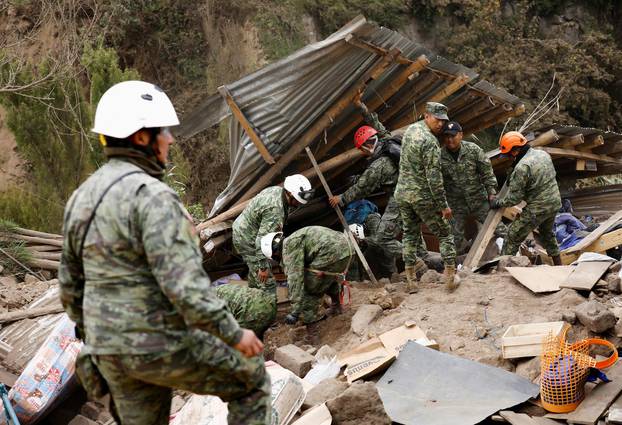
(396,278)
(529,369)
(29,279)
(431,276)
(297,333)
(384,281)
(601,288)
(8,281)
(615,267)
(324,391)
(1,268)
(326,352)
(383,299)
(366,314)
(390,288)
(177,403)
(569,317)
(595,316)
(613,282)
(359,404)
(81,420)
(294,358)
(506,261)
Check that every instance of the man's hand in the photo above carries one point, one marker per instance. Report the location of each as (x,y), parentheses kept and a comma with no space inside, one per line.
(447,213)
(334,201)
(291,318)
(495,204)
(249,344)
(262,275)
(491,198)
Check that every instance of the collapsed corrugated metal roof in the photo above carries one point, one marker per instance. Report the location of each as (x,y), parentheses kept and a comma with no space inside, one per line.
(305,99)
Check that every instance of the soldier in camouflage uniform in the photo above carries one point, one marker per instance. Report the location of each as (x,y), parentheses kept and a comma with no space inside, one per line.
(315,260)
(266,213)
(132,280)
(533,180)
(253,308)
(421,196)
(381,174)
(470,183)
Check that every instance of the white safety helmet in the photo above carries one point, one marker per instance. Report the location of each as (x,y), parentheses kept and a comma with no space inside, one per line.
(299,187)
(358,231)
(130,106)
(267,241)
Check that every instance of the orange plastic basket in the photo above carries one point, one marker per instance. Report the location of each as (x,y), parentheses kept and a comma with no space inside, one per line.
(565,368)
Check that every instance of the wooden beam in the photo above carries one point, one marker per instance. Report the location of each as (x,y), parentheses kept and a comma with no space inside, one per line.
(370,47)
(611,147)
(30,313)
(485,123)
(569,142)
(571,153)
(246,125)
(327,118)
(387,92)
(455,85)
(591,143)
(349,156)
(344,223)
(422,85)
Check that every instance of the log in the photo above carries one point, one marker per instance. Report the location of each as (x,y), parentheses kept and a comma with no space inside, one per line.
(569,142)
(44,248)
(349,156)
(30,313)
(609,148)
(28,232)
(321,124)
(45,255)
(38,240)
(44,264)
(591,143)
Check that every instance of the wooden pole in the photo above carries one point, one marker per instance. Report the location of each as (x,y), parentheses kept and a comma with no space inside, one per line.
(592,142)
(349,156)
(30,313)
(37,240)
(421,86)
(28,232)
(246,125)
(571,153)
(321,124)
(344,223)
(569,142)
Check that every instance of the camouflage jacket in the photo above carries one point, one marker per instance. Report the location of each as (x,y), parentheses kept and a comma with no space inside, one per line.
(380,174)
(140,286)
(265,213)
(253,308)
(421,179)
(533,181)
(469,179)
(312,247)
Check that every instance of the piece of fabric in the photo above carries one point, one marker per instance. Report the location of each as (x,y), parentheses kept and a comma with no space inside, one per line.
(140,385)
(253,308)
(143,285)
(265,213)
(356,212)
(566,227)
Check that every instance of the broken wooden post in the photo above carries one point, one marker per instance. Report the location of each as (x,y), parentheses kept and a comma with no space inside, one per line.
(321,124)
(591,143)
(344,223)
(246,125)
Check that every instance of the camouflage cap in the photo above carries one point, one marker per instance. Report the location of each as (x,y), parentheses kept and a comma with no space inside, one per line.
(438,110)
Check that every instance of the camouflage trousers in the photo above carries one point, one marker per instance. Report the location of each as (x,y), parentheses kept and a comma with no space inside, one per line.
(527,221)
(383,248)
(141,386)
(413,216)
(253,308)
(247,252)
(459,224)
(306,298)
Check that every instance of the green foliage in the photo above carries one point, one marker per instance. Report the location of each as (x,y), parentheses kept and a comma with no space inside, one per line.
(280,28)
(12,248)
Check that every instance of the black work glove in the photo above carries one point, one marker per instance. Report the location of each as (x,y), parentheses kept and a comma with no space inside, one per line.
(291,318)
(495,204)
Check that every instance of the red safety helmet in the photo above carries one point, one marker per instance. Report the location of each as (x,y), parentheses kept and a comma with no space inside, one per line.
(510,140)
(363,134)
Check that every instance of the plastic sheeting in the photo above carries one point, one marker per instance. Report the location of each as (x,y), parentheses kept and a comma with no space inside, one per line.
(427,387)
(283,99)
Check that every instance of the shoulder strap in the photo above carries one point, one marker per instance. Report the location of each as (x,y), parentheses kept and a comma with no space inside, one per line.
(99,201)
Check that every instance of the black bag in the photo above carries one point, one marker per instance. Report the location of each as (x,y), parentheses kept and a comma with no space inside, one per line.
(391,148)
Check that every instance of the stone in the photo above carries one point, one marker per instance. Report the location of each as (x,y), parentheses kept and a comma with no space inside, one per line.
(506,261)
(8,281)
(569,317)
(359,404)
(30,279)
(383,299)
(294,358)
(326,352)
(595,316)
(366,314)
(81,420)
(529,369)
(613,282)
(384,281)
(46,274)
(615,267)
(324,391)
(431,276)
(177,403)
(391,288)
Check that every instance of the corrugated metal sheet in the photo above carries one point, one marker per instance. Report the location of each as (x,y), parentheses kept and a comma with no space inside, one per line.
(283,99)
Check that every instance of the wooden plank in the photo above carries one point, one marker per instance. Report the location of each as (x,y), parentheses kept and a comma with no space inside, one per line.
(599,399)
(571,153)
(585,275)
(580,165)
(540,279)
(485,234)
(344,223)
(246,125)
(14,316)
(516,418)
(595,234)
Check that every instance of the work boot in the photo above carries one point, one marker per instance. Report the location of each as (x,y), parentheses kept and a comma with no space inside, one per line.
(411,280)
(557,260)
(334,310)
(450,278)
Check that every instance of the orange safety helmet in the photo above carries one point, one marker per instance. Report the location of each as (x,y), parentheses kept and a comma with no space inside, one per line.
(362,134)
(511,139)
